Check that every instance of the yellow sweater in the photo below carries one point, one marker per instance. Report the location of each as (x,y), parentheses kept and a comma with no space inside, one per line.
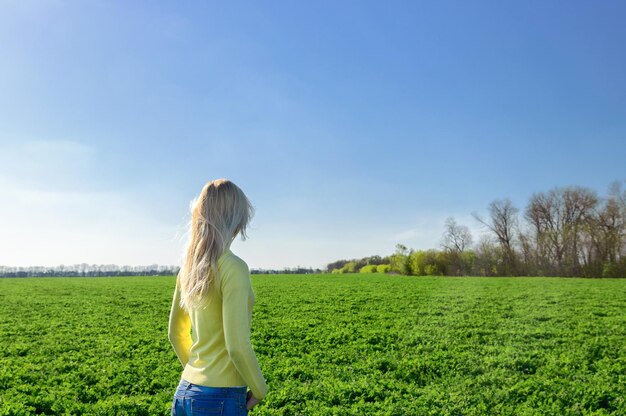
(213,342)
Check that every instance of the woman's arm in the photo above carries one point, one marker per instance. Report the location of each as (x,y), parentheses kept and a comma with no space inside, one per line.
(179,329)
(235,283)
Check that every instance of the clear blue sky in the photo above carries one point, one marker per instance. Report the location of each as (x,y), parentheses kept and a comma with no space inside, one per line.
(351,125)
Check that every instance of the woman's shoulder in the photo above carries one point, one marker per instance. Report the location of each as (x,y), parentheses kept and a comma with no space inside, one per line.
(229,263)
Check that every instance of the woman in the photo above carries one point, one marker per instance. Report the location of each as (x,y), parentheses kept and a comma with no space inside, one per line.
(209,324)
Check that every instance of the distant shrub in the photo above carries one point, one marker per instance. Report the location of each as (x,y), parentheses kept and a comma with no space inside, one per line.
(337,271)
(612,269)
(370,268)
(383,268)
(431,270)
(418,260)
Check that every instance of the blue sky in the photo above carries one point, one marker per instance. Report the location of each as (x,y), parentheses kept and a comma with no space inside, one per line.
(352,126)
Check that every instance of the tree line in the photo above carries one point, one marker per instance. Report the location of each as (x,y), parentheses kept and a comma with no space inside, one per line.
(102,270)
(88,270)
(288,270)
(566,231)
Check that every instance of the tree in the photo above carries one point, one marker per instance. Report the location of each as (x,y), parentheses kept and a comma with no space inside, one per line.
(418,260)
(335,265)
(455,240)
(488,261)
(559,220)
(503,223)
(349,267)
(603,245)
(400,260)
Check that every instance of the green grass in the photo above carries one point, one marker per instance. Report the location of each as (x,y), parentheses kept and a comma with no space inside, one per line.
(328,345)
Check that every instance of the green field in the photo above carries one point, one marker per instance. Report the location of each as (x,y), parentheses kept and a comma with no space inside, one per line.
(328,345)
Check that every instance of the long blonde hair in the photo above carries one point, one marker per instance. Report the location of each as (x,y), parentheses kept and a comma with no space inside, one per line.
(218,214)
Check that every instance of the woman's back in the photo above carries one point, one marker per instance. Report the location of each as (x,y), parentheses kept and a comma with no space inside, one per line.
(220,353)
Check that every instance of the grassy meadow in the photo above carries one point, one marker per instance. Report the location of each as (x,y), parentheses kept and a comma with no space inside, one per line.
(328,345)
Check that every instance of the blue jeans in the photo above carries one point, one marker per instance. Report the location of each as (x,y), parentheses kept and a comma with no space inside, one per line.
(191,400)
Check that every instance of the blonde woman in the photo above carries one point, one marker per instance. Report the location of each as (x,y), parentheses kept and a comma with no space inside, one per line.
(209,325)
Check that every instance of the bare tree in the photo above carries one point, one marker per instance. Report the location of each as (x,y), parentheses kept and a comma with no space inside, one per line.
(604,240)
(503,223)
(488,257)
(544,232)
(559,221)
(579,209)
(456,238)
